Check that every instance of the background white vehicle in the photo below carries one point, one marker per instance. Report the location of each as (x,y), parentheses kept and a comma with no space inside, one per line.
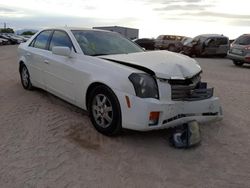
(116,81)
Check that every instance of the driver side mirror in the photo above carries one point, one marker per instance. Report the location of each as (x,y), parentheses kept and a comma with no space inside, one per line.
(194,42)
(61,50)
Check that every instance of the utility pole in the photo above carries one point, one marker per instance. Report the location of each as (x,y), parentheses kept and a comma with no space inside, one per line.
(4,24)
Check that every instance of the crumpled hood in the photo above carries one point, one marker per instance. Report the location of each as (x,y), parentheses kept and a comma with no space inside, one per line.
(164,64)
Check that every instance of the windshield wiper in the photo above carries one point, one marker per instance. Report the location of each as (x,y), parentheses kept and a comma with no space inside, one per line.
(99,54)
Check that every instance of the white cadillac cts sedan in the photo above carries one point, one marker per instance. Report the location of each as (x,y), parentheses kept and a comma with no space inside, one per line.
(120,84)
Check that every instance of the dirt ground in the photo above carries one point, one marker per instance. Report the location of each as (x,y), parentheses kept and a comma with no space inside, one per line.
(46,142)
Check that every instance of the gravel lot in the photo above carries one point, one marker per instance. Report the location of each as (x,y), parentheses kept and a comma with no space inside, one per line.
(46,142)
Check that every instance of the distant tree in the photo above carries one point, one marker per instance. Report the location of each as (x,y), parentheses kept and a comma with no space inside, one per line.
(28,33)
(7,30)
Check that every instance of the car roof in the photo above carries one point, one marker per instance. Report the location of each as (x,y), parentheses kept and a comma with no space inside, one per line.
(172,35)
(74,28)
(145,39)
(246,34)
(212,35)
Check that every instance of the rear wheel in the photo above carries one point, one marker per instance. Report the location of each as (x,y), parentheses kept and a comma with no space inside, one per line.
(25,78)
(237,63)
(104,110)
(172,48)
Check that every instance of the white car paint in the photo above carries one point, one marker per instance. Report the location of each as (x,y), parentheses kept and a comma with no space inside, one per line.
(70,77)
(165,64)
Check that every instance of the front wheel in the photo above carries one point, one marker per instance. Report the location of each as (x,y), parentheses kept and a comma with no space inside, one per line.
(237,63)
(104,110)
(25,78)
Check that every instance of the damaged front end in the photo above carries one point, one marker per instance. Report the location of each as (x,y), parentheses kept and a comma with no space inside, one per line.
(191,89)
(191,99)
(179,95)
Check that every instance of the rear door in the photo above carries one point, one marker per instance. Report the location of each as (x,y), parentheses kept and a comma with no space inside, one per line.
(210,46)
(216,45)
(35,54)
(223,45)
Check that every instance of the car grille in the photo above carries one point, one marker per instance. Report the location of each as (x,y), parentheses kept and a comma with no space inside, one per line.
(190,89)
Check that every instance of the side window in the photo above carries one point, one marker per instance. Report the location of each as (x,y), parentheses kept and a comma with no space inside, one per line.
(42,39)
(60,38)
(222,41)
(33,42)
(210,42)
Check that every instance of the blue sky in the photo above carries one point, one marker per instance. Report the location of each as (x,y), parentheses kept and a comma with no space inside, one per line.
(151,17)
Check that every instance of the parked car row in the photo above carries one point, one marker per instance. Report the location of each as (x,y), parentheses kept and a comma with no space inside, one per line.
(202,45)
(10,38)
(237,50)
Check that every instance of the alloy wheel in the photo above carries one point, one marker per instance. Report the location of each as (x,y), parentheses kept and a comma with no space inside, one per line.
(25,76)
(102,110)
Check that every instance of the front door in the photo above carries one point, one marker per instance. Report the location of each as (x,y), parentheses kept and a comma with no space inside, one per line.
(60,72)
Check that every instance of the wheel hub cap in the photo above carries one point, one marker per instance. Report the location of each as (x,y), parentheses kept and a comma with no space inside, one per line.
(102,110)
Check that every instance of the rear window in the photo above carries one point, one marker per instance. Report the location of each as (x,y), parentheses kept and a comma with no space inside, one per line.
(243,40)
(215,42)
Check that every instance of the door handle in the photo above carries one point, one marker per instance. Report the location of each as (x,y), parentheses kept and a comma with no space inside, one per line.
(46,62)
(28,54)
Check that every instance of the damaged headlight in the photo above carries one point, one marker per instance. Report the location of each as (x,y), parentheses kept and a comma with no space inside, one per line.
(145,85)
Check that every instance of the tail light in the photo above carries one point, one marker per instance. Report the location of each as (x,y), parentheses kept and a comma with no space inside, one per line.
(247,58)
(247,48)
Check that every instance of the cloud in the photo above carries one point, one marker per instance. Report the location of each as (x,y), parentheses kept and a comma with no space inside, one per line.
(150,16)
(88,7)
(43,21)
(217,15)
(187,7)
(172,1)
(212,17)
(7,10)
(241,23)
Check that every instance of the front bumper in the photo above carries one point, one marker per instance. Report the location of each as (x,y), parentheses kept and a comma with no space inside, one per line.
(172,113)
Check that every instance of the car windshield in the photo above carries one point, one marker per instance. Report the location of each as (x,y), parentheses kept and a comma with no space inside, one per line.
(96,43)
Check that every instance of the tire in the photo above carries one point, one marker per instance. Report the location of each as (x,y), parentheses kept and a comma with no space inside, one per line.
(187,53)
(223,55)
(198,54)
(104,110)
(171,48)
(237,63)
(25,78)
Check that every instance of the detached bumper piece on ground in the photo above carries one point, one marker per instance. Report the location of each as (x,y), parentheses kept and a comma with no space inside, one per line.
(186,136)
